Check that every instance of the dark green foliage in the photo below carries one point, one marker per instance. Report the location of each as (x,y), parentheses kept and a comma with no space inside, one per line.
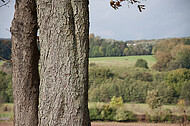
(132,84)
(185,91)
(124,115)
(176,80)
(5,87)
(95,114)
(141,63)
(5,51)
(109,47)
(106,112)
(186,41)
(183,58)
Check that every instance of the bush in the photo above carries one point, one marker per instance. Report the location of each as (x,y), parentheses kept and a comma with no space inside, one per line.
(153,100)
(116,101)
(94,114)
(103,113)
(109,113)
(158,115)
(141,63)
(123,115)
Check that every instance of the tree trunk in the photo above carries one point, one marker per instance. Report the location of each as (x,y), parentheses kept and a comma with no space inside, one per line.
(64,41)
(25,56)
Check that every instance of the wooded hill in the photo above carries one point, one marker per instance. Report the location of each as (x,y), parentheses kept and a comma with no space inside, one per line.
(100,47)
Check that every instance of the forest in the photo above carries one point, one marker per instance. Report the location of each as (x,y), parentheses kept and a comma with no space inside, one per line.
(171,70)
(109,47)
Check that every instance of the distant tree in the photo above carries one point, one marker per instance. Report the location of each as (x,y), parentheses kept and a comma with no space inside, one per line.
(185,91)
(5,88)
(176,79)
(153,99)
(163,60)
(183,57)
(141,63)
(5,50)
(173,55)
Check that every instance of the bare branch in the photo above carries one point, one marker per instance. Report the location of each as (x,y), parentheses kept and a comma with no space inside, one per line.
(4,3)
(6,60)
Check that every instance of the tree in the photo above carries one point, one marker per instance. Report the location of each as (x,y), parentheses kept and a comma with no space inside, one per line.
(25,56)
(176,79)
(141,63)
(64,43)
(153,100)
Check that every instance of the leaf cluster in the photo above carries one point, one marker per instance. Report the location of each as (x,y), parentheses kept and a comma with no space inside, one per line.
(117,3)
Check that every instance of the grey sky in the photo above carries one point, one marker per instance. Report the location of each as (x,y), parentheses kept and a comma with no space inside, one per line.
(161,19)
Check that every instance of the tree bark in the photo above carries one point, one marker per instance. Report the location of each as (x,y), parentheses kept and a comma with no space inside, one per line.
(25,56)
(64,42)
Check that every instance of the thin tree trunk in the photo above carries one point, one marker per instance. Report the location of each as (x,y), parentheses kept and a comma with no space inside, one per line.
(64,33)
(25,56)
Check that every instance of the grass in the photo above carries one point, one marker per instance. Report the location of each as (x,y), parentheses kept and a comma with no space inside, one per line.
(144,108)
(125,61)
(6,110)
(121,64)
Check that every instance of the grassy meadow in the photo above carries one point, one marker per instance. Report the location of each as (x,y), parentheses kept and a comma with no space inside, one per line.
(120,63)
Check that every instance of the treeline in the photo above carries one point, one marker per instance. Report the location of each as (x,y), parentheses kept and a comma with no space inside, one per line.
(5,48)
(109,47)
(134,84)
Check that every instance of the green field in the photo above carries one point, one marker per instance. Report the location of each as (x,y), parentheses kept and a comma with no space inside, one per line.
(125,61)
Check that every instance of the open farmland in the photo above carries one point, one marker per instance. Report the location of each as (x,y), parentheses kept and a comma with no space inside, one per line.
(125,61)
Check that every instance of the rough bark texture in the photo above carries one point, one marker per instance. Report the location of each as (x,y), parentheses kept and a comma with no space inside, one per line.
(64,32)
(25,56)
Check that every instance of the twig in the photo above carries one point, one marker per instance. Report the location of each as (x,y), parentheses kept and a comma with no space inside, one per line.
(6,60)
(5,3)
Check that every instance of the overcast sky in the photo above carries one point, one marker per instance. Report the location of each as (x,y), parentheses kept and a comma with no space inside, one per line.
(161,19)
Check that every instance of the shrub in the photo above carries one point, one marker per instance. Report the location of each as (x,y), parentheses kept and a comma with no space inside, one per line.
(158,115)
(110,113)
(141,63)
(153,100)
(116,101)
(123,115)
(94,114)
